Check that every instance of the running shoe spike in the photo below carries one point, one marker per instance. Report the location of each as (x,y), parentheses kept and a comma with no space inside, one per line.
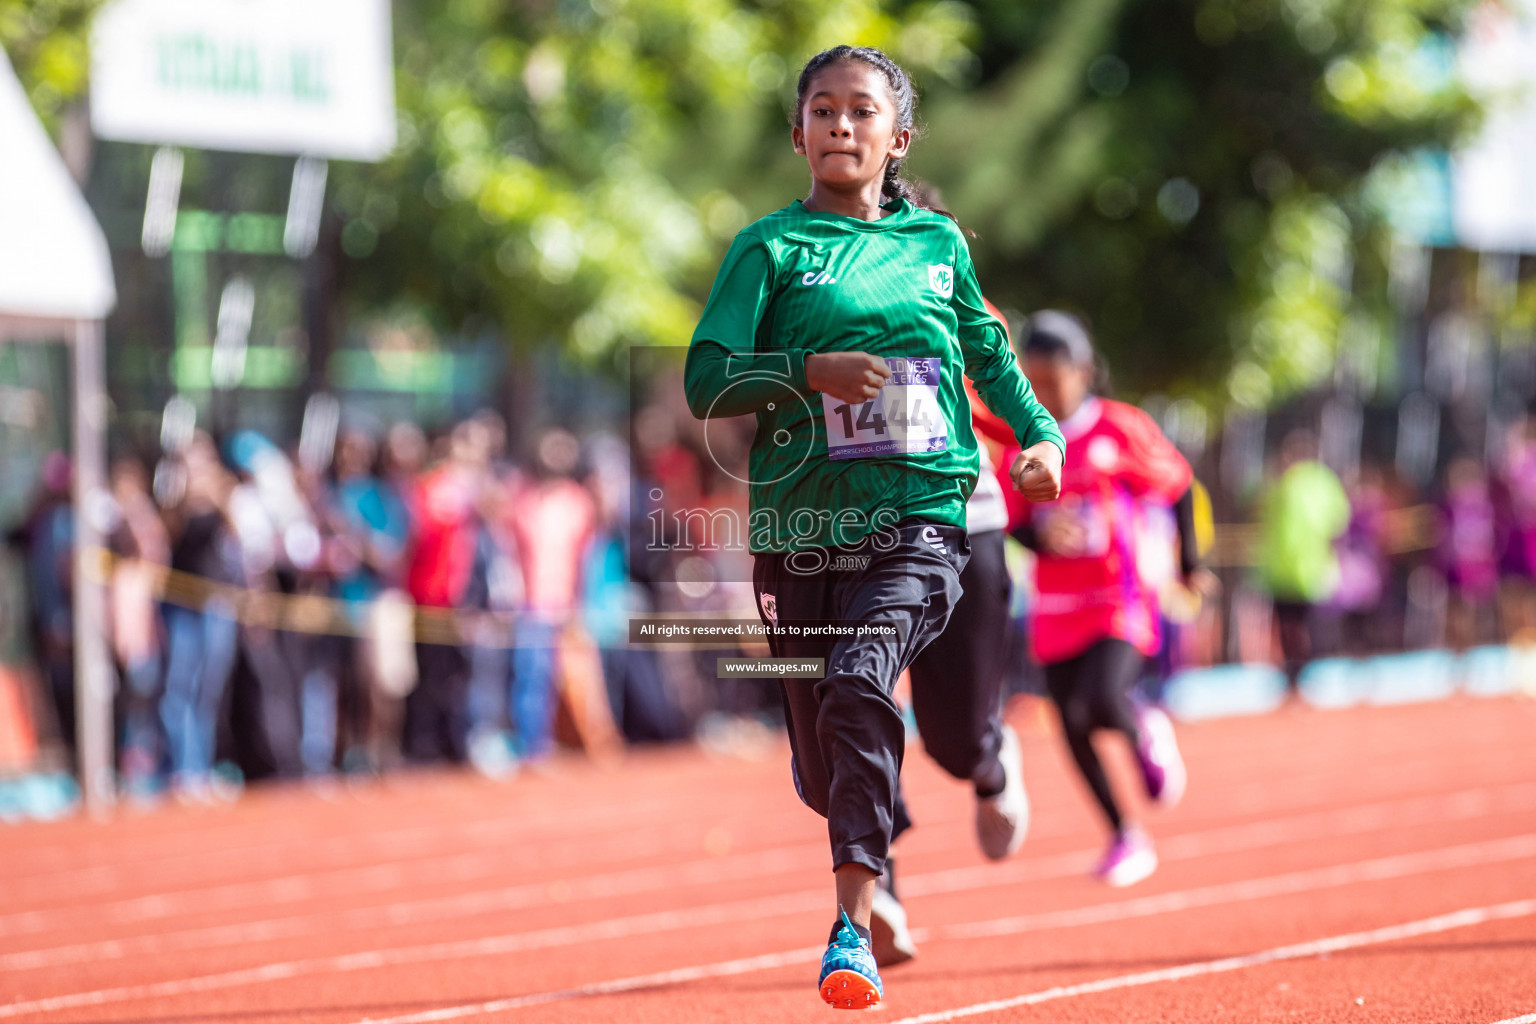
(849,978)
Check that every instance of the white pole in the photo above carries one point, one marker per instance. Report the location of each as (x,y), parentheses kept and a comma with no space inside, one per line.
(93,669)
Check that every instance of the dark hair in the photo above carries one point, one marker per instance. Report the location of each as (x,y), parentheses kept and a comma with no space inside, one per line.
(902,95)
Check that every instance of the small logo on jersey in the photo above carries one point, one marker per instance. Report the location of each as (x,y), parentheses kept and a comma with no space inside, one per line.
(941,278)
(814,277)
(770,608)
(932,538)
(1104,454)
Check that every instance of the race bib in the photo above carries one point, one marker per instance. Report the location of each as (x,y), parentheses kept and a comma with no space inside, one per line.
(905,417)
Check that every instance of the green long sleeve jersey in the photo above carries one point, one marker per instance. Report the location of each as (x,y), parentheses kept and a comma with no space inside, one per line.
(821,471)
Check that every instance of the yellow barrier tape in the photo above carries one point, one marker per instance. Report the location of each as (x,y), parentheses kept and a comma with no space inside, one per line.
(1416,528)
(308,613)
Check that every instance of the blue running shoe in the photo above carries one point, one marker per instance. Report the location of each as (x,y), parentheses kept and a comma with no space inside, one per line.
(849,978)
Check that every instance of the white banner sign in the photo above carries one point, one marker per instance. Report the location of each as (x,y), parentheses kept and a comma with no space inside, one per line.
(265,76)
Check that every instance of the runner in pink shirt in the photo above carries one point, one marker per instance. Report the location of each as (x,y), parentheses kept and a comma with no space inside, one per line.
(1095,619)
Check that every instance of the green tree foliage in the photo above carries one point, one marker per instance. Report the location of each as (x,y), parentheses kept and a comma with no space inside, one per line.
(1187,173)
(1193,175)
(1190,173)
(46,43)
(566,170)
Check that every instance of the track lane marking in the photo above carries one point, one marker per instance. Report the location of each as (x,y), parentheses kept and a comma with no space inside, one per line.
(1302,950)
(409,849)
(230,835)
(677,976)
(375,877)
(489,827)
(1463,805)
(1311,880)
(1401,865)
(1457,806)
(1366,818)
(747,965)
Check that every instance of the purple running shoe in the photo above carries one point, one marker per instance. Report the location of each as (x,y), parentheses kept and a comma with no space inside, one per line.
(1157,752)
(1129,859)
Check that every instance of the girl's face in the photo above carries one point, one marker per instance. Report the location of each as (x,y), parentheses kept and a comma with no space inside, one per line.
(847,127)
(1060,384)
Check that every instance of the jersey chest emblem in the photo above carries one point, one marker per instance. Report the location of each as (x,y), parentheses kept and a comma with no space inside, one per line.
(941,278)
(1104,454)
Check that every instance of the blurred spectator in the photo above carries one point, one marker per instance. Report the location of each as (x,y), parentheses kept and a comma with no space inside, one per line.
(391,647)
(551,521)
(438,576)
(1516,501)
(143,549)
(1364,567)
(280,547)
(1469,554)
(1303,514)
(201,643)
(496,584)
(48,537)
(372,528)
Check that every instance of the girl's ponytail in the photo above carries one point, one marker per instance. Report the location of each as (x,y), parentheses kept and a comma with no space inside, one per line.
(897,187)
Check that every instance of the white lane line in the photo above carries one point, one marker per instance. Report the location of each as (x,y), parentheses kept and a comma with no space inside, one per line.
(361,879)
(779,860)
(100,879)
(1464,805)
(661,979)
(498,841)
(1514,848)
(431,865)
(355,880)
(230,840)
(1392,933)
(1377,870)
(1353,940)
(1456,806)
(496,945)
(42,867)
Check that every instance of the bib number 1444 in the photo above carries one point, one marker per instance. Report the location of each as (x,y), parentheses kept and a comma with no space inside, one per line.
(904,418)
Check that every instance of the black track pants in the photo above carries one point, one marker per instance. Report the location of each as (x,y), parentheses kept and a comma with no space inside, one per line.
(845,730)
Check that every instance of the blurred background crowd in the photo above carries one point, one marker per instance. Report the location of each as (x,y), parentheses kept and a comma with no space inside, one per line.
(375,596)
(390,435)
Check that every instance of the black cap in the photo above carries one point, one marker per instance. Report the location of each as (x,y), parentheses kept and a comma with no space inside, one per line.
(1051,332)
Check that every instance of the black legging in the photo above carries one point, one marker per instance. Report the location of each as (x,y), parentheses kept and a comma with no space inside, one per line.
(1092,691)
(957,682)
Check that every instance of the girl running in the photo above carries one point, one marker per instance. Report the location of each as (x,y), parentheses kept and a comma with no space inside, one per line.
(1096,620)
(845,323)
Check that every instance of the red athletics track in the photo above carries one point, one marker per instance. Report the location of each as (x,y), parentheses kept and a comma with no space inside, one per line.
(1367,865)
